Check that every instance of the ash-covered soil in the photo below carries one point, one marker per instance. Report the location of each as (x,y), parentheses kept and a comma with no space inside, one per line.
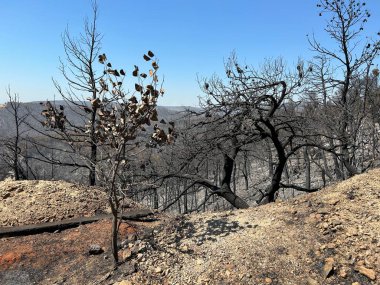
(328,237)
(38,201)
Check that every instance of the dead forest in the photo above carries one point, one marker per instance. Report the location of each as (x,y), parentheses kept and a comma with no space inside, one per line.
(259,134)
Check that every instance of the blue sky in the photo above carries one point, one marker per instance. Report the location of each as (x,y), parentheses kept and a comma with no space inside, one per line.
(190,38)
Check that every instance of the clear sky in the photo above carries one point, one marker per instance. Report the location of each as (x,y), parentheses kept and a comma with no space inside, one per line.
(190,37)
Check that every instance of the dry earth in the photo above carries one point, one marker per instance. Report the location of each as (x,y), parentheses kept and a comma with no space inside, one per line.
(329,237)
(32,202)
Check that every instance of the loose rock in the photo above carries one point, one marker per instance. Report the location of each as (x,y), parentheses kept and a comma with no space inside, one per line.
(328,268)
(95,249)
(311,281)
(370,273)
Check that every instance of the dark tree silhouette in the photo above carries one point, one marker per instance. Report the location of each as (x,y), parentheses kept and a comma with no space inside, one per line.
(12,154)
(349,61)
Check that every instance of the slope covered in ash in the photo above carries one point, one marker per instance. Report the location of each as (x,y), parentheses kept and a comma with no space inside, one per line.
(327,237)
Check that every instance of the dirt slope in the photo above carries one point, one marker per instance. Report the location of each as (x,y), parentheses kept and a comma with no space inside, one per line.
(37,201)
(329,237)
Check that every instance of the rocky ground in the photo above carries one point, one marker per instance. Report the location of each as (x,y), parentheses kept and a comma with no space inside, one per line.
(32,202)
(328,237)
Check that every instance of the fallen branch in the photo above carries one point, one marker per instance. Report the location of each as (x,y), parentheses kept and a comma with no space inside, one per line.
(67,224)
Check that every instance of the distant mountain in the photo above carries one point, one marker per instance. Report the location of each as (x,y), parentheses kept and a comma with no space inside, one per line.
(7,127)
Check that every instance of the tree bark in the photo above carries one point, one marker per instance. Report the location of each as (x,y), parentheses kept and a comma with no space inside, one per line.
(307,168)
(185,200)
(114,235)
(282,159)
(155,199)
(225,189)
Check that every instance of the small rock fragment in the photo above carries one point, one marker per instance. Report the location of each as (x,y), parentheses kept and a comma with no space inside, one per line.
(311,281)
(328,268)
(132,237)
(325,225)
(370,273)
(342,272)
(124,282)
(331,245)
(360,263)
(333,201)
(323,211)
(126,254)
(268,280)
(95,249)
(184,248)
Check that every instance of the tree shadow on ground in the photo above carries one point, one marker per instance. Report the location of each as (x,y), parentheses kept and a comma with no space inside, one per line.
(210,230)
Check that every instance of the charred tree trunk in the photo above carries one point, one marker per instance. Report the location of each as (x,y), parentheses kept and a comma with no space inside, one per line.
(279,169)
(270,161)
(307,168)
(114,237)
(276,179)
(286,172)
(177,187)
(185,200)
(16,168)
(246,171)
(155,199)
(92,174)
(225,188)
(234,178)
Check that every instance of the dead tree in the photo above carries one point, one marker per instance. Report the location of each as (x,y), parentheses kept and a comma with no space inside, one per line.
(262,100)
(82,77)
(120,117)
(349,60)
(12,154)
(214,137)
